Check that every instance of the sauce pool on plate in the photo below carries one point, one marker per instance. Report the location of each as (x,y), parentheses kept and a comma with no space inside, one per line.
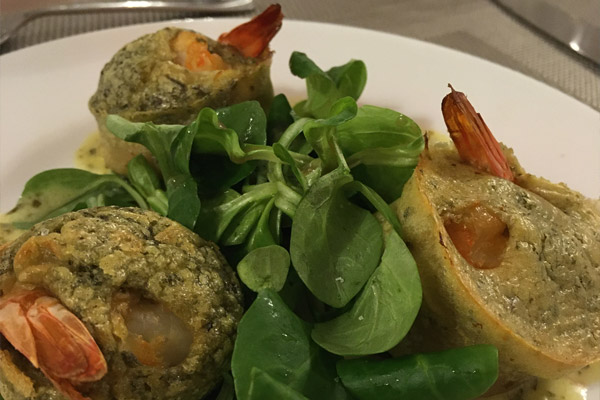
(88,155)
(571,387)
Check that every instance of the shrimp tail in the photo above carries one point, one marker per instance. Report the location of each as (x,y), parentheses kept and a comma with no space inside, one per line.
(52,339)
(473,139)
(253,37)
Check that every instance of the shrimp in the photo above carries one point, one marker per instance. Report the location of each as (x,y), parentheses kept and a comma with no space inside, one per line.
(254,36)
(479,236)
(162,304)
(472,138)
(194,54)
(505,262)
(250,39)
(52,338)
(150,331)
(183,71)
(477,233)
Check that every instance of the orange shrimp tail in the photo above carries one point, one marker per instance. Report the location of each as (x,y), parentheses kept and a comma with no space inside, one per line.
(473,139)
(255,35)
(15,328)
(66,348)
(53,339)
(65,387)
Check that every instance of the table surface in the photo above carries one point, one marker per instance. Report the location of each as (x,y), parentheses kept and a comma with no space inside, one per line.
(478,27)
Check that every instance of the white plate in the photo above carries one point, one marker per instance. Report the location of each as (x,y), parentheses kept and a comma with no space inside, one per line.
(44,92)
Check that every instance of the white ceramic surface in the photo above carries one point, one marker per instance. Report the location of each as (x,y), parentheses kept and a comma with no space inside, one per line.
(44,92)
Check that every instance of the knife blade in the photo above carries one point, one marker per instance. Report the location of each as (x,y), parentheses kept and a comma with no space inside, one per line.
(10,22)
(579,35)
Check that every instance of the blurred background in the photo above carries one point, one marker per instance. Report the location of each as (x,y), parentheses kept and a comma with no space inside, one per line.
(484,28)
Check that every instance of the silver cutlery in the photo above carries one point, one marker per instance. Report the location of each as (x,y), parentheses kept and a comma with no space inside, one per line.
(579,35)
(11,22)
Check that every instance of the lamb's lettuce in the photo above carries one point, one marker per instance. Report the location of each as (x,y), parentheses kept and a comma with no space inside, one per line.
(383,312)
(55,192)
(274,340)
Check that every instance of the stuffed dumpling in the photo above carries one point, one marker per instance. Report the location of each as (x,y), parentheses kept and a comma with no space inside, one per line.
(114,304)
(166,77)
(505,258)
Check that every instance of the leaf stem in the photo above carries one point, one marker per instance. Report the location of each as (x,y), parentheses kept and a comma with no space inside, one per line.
(139,199)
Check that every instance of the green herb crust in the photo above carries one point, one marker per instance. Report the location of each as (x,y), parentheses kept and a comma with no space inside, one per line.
(143,82)
(109,252)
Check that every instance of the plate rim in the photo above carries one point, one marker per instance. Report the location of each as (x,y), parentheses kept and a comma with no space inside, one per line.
(227,19)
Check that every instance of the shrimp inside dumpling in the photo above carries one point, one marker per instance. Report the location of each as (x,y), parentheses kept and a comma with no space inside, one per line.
(505,258)
(154,306)
(166,77)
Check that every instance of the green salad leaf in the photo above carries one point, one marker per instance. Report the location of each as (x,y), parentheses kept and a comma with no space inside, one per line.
(171,146)
(278,118)
(382,147)
(272,339)
(325,88)
(265,268)
(227,390)
(147,182)
(383,312)
(264,386)
(320,133)
(219,212)
(267,230)
(55,192)
(335,245)
(218,168)
(456,374)
(242,225)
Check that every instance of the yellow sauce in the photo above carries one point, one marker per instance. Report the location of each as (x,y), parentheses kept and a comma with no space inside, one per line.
(88,155)
(556,389)
(571,387)
(588,375)
(22,212)
(7,231)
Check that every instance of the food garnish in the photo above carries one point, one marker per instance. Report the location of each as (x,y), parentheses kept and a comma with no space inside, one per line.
(253,37)
(472,137)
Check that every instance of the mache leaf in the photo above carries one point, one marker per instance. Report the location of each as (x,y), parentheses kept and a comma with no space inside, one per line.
(325,88)
(320,133)
(382,147)
(57,191)
(264,386)
(265,268)
(335,245)
(146,181)
(279,118)
(171,146)
(273,339)
(383,312)
(456,374)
